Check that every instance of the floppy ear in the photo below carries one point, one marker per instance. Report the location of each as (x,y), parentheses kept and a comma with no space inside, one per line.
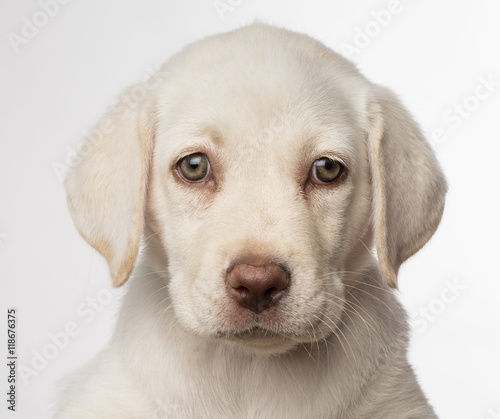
(106,189)
(408,186)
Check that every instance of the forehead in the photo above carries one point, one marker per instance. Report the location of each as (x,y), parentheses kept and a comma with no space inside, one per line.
(261,87)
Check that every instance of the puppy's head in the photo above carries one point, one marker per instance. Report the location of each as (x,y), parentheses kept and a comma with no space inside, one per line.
(267,167)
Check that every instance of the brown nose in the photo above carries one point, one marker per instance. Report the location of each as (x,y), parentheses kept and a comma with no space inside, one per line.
(257,287)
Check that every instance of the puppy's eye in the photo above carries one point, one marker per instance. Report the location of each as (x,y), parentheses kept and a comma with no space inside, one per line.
(325,170)
(194,168)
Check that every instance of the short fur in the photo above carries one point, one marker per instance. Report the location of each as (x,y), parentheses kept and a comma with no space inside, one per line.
(263,104)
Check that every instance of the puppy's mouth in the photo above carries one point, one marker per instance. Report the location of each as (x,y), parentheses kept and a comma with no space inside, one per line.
(261,335)
(251,333)
(270,328)
(258,339)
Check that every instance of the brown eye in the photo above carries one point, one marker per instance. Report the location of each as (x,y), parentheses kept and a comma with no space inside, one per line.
(194,168)
(325,170)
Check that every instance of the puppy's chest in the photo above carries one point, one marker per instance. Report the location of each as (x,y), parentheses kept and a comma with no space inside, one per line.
(248,391)
(229,408)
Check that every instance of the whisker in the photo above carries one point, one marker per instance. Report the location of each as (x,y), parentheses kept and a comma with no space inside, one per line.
(339,338)
(350,307)
(323,312)
(373,297)
(145,239)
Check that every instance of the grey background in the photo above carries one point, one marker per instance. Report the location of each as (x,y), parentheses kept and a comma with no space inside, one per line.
(73,60)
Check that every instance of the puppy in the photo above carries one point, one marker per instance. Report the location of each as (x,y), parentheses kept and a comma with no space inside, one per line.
(260,169)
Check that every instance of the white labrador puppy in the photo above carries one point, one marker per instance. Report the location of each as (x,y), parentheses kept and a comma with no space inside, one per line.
(260,171)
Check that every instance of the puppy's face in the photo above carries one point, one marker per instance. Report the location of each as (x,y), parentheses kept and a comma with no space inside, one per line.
(259,172)
(264,163)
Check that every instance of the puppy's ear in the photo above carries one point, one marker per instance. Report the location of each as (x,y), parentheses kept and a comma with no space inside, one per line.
(106,189)
(408,186)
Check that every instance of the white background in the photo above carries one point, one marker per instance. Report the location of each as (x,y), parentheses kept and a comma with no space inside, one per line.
(58,81)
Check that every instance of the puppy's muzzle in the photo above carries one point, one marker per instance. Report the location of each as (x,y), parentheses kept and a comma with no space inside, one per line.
(257,287)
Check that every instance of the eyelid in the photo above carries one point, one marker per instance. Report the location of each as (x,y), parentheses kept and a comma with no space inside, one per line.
(203,145)
(333,156)
(187,153)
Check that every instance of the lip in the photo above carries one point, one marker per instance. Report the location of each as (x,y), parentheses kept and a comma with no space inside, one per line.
(261,340)
(253,333)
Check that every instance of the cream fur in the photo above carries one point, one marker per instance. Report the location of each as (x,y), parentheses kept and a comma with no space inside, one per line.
(263,104)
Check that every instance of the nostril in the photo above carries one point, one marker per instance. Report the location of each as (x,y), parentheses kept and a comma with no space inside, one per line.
(243,291)
(271,292)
